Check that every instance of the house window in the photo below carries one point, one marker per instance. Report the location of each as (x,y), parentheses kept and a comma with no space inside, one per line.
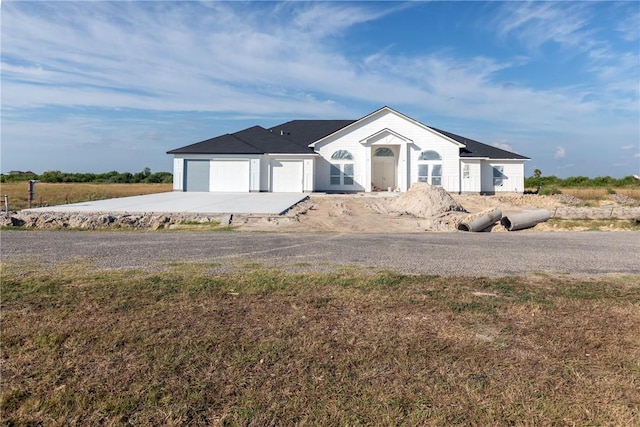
(383,152)
(347,170)
(430,167)
(436,175)
(423,173)
(498,176)
(466,173)
(341,168)
(430,155)
(342,155)
(335,175)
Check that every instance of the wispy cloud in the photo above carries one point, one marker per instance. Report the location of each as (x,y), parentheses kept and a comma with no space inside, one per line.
(537,23)
(560,153)
(159,56)
(628,27)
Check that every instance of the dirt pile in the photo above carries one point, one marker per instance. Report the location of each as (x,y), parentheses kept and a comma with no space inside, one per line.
(425,201)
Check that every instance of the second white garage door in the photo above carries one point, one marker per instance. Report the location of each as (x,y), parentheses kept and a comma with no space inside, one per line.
(286,176)
(230,175)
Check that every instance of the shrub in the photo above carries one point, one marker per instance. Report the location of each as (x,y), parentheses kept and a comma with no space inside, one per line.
(549,191)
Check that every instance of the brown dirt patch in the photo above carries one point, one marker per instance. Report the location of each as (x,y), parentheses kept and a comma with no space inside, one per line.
(434,209)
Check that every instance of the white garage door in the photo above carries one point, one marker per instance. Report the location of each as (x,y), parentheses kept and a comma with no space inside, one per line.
(286,176)
(230,175)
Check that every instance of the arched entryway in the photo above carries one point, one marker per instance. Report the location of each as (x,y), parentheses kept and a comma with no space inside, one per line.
(384,168)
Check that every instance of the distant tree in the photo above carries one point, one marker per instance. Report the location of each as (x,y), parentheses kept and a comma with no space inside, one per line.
(161,178)
(17,176)
(145,176)
(537,173)
(52,176)
(577,181)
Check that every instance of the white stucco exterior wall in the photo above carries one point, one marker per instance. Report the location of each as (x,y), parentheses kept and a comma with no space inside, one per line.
(387,128)
(178,173)
(513,181)
(472,183)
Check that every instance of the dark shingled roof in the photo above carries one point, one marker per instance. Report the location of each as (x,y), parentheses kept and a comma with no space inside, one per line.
(478,149)
(305,132)
(253,140)
(294,137)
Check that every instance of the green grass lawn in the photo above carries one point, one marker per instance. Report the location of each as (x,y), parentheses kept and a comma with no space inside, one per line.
(185,346)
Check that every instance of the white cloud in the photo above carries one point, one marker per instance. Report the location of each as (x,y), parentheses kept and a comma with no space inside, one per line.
(560,153)
(629,146)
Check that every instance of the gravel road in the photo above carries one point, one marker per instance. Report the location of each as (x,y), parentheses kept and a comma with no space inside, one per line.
(466,254)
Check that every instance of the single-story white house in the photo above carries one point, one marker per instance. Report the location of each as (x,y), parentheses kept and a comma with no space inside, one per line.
(381,151)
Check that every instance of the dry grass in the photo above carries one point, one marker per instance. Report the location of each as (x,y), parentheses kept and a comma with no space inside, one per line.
(634,193)
(57,194)
(594,224)
(262,347)
(596,194)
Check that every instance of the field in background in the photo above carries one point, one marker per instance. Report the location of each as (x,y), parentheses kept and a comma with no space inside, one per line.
(48,194)
(590,193)
(185,346)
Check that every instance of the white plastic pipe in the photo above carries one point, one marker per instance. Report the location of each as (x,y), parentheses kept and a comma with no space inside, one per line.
(527,219)
(482,222)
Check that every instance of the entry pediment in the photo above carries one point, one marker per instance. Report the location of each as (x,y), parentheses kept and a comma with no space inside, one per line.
(386,136)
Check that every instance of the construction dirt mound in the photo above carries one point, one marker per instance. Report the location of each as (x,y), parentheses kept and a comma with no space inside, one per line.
(425,201)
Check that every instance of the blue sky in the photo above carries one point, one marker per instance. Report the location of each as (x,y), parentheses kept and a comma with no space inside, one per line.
(99,86)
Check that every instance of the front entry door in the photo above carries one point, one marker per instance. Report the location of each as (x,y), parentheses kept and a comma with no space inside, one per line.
(384,170)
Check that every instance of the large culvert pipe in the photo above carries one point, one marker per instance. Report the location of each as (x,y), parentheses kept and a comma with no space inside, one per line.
(525,219)
(481,222)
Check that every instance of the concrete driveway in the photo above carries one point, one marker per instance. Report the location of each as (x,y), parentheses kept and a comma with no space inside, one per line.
(187,202)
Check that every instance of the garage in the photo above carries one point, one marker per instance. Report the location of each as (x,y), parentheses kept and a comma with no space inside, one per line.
(196,175)
(286,176)
(230,175)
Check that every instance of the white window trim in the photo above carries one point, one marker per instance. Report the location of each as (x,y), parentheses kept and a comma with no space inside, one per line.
(341,164)
(430,164)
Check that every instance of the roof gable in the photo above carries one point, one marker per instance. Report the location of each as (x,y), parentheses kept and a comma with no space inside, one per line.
(383,136)
(371,116)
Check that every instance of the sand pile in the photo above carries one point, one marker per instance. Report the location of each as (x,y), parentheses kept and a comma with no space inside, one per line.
(425,201)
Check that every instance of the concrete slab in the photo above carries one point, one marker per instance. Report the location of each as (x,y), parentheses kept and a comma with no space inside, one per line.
(187,202)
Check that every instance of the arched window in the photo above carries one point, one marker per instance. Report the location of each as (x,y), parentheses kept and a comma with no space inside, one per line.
(430,155)
(341,168)
(383,152)
(430,167)
(342,155)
